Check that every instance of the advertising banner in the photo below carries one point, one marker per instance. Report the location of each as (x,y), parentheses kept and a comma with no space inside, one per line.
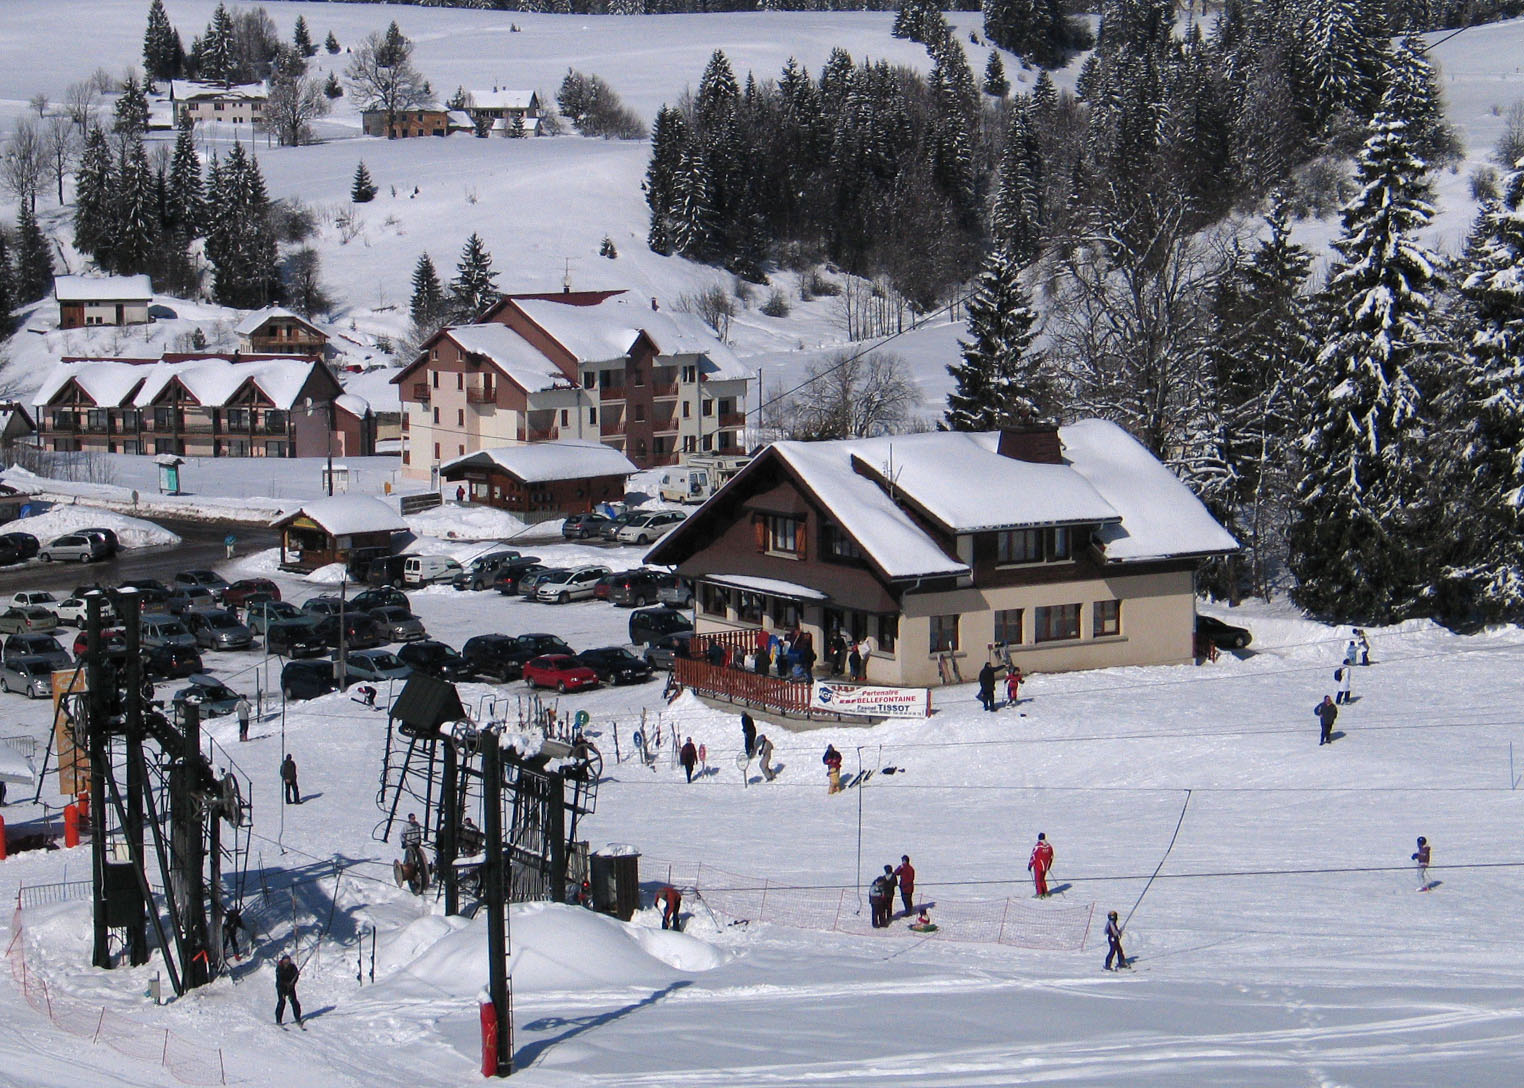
(871,702)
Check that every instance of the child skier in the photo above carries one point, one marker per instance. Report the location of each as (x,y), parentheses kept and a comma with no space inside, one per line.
(1421,856)
(1114,943)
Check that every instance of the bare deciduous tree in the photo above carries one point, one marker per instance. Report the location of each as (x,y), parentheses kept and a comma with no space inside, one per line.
(294,102)
(381,76)
(713,306)
(851,396)
(61,142)
(80,103)
(39,103)
(25,163)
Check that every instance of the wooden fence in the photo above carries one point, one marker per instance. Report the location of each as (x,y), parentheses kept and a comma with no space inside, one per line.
(739,685)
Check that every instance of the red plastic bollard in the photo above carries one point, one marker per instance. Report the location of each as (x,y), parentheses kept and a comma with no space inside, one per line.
(71,825)
(2,855)
(489,1039)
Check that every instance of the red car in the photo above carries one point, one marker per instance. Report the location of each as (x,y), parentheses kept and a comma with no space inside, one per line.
(240,591)
(559,671)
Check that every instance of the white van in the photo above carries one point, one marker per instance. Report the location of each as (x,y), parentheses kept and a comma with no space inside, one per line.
(419,570)
(684,483)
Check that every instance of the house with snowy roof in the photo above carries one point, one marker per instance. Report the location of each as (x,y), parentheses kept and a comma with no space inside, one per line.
(405,124)
(276,330)
(505,112)
(102,300)
(200,405)
(202,100)
(334,529)
(1058,549)
(544,478)
(598,366)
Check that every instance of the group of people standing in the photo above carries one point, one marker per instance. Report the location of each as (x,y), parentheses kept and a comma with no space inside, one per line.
(847,655)
(881,892)
(1356,654)
(987,677)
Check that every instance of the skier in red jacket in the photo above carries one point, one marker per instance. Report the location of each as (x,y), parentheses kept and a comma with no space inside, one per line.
(1039,864)
(905,874)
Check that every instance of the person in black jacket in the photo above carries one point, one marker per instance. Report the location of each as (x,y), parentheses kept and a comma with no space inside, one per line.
(1114,943)
(286,974)
(987,686)
(749,734)
(688,757)
(1326,714)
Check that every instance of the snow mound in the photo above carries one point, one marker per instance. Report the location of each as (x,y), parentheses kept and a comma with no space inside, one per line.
(130,532)
(555,947)
(331,575)
(452,522)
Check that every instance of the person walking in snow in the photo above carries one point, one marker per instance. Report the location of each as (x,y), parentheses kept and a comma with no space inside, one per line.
(987,686)
(670,900)
(243,710)
(1114,943)
(905,874)
(1013,680)
(765,757)
(1343,672)
(286,974)
(749,734)
(1039,864)
(688,757)
(229,543)
(832,761)
(288,776)
(1421,856)
(1351,653)
(1365,645)
(232,922)
(1326,714)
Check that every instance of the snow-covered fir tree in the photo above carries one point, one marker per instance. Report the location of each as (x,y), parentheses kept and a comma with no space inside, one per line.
(692,219)
(474,287)
(1411,93)
(995,82)
(301,37)
(361,189)
(94,194)
(1363,531)
(1016,221)
(135,234)
(163,55)
(240,239)
(214,54)
(1336,56)
(185,197)
(1001,381)
(428,305)
(33,277)
(130,116)
(7,288)
(331,43)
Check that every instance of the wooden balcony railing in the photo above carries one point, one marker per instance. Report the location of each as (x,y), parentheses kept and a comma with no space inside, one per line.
(476,395)
(421,391)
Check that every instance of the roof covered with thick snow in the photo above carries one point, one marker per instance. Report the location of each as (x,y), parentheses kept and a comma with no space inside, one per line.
(254,321)
(348,515)
(608,330)
(518,360)
(540,462)
(182,90)
(102,288)
(211,381)
(503,100)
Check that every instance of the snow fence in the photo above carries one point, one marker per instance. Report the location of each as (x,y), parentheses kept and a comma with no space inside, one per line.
(188,1062)
(1022,923)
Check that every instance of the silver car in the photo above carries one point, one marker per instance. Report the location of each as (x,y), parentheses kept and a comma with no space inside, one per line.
(219,629)
(376,666)
(398,624)
(30,676)
(71,548)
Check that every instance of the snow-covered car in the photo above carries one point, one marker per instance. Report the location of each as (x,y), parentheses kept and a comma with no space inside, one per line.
(29,676)
(649,527)
(74,612)
(15,621)
(572,585)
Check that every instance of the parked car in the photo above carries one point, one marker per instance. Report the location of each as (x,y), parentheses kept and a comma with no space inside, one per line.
(602,586)
(511,576)
(529,584)
(385,597)
(539,643)
(611,530)
(660,653)
(31,618)
(267,613)
(307,679)
(575,585)
(219,629)
(377,666)
(634,588)
(435,659)
(481,572)
(113,644)
(1224,635)
(582,526)
(675,591)
(360,631)
(29,676)
(560,671)
(649,527)
(10,552)
(206,579)
(163,630)
(183,599)
(173,662)
(494,656)
(398,624)
(422,570)
(107,538)
(36,644)
(152,595)
(144,585)
(31,596)
(385,570)
(238,594)
(649,623)
(324,605)
(25,544)
(73,548)
(216,697)
(74,612)
(294,638)
(615,665)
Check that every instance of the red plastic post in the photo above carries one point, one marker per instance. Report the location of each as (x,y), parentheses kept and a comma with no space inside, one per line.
(489,1039)
(2,838)
(83,801)
(71,825)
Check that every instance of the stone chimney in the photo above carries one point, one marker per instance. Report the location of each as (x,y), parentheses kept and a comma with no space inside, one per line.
(1035,442)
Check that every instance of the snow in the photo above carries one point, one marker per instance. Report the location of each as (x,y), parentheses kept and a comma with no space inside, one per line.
(257,318)
(777,587)
(511,353)
(15,769)
(59,520)
(190,90)
(607,331)
(212,381)
(350,515)
(542,462)
(102,288)
(502,100)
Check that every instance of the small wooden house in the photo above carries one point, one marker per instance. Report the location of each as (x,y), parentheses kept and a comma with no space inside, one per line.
(328,530)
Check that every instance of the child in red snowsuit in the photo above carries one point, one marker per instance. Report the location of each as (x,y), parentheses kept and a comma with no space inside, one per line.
(1013,685)
(1039,864)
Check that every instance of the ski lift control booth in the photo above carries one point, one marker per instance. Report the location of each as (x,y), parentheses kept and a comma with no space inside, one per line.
(502,802)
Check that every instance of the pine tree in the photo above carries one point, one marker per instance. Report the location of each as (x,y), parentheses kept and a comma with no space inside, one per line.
(669,138)
(995,82)
(7,288)
(1017,218)
(302,39)
(136,231)
(692,220)
(163,57)
(362,190)
(185,203)
(715,102)
(474,287)
(1337,57)
(240,239)
(34,259)
(428,307)
(331,44)
(131,116)
(1411,93)
(94,192)
(1001,381)
(1363,525)
(215,59)
(332,89)
(1484,579)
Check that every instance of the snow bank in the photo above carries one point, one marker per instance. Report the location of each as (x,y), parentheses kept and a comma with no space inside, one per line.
(331,575)
(130,532)
(453,522)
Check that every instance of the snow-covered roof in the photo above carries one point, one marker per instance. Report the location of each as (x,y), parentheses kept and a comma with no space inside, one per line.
(774,586)
(104,382)
(503,100)
(540,462)
(504,126)
(519,360)
(251,324)
(15,769)
(211,381)
(459,119)
(181,90)
(348,515)
(102,288)
(1161,518)
(354,405)
(934,472)
(607,330)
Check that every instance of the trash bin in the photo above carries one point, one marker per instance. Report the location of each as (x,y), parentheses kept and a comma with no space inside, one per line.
(615,877)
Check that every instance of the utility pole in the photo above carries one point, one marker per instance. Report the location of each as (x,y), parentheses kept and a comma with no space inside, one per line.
(495,887)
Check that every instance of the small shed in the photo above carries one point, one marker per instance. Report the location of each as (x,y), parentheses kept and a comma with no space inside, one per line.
(102,300)
(169,473)
(543,477)
(327,530)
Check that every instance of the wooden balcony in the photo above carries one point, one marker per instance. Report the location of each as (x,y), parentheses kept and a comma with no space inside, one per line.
(733,419)
(532,434)
(479,395)
(421,391)
(664,389)
(608,393)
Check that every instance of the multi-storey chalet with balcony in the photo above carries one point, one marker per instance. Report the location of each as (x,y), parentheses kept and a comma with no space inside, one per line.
(585,365)
(1063,549)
